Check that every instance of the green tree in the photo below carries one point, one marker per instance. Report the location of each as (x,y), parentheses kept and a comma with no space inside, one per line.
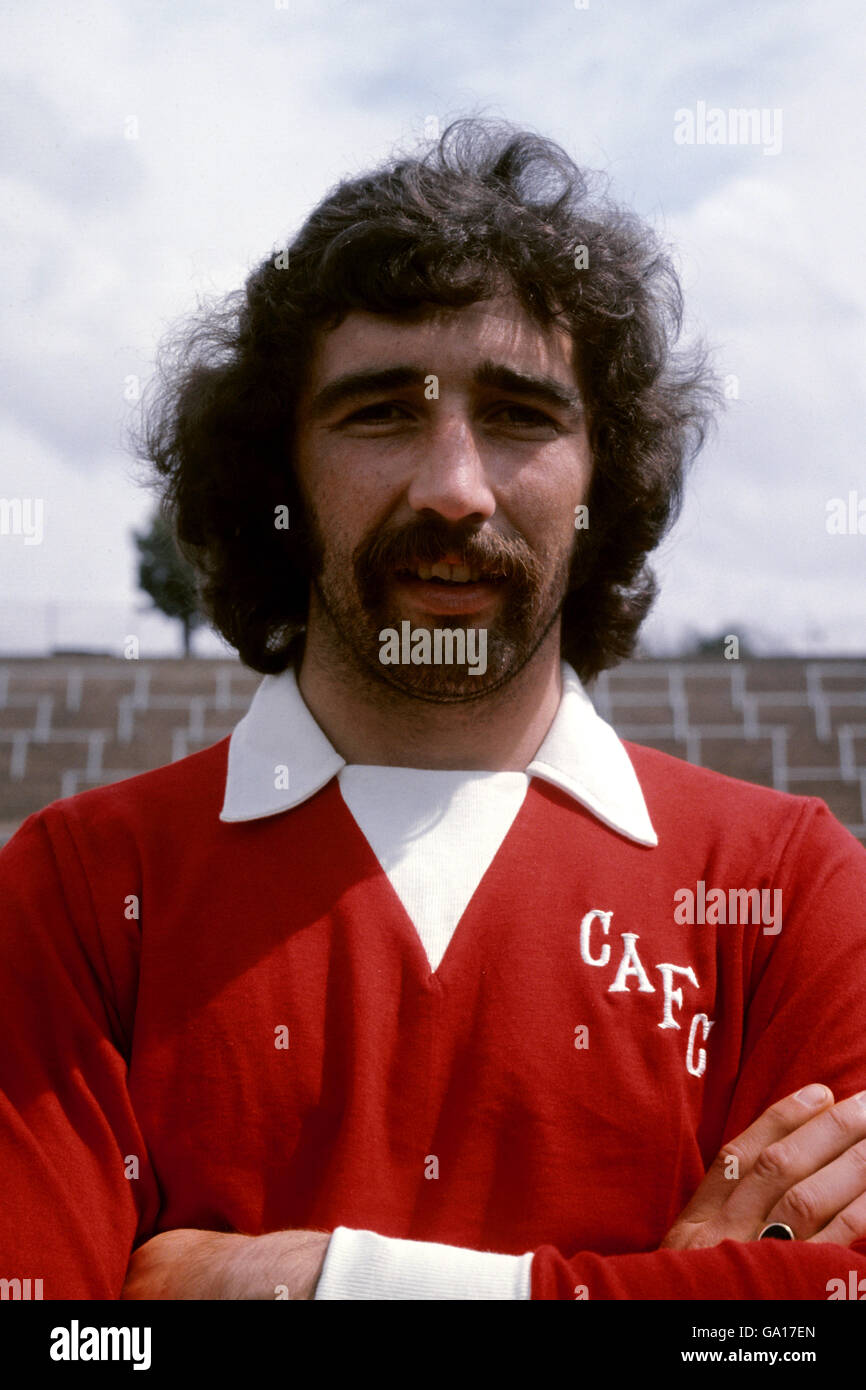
(167,577)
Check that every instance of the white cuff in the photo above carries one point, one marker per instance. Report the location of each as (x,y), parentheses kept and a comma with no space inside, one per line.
(362,1264)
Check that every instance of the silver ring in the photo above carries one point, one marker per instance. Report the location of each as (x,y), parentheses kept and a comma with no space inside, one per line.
(777,1230)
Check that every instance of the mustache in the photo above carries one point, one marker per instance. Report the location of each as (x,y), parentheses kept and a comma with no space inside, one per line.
(426,540)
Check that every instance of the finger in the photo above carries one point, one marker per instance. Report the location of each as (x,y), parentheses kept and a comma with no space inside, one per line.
(846,1227)
(735,1159)
(787,1162)
(810,1205)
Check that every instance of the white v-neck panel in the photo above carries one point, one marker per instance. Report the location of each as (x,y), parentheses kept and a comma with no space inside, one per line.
(435,834)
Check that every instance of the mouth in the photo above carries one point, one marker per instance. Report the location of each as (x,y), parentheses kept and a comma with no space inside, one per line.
(448,587)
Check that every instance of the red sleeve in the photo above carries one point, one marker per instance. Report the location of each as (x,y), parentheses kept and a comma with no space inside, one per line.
(72,1206)
(804,1022)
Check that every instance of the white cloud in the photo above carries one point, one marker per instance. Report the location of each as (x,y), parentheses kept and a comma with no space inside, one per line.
(245,117)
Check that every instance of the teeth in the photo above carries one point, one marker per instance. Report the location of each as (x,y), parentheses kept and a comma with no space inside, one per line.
(454,574)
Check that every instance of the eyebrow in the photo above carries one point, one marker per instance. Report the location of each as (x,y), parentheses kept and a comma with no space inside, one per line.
(352,385)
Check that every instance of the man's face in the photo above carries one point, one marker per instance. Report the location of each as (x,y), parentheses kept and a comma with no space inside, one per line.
(441,462)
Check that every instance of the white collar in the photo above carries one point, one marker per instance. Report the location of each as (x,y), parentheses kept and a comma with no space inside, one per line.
(279,757)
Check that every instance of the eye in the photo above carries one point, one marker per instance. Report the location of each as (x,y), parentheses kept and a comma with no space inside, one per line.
(524,416)
(378,413)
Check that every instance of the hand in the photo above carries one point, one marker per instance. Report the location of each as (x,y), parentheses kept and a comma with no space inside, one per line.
(190,1264)
(803,1162)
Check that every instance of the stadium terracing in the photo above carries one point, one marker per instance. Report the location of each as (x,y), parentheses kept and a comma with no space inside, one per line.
(69,722)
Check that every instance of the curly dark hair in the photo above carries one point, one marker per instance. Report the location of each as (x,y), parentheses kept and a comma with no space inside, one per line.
(487,206)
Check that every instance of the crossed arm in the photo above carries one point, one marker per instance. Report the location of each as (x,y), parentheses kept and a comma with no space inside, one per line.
(802,1162)
(189,1264)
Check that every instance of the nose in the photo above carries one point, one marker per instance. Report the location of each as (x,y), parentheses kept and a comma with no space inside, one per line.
(450,477)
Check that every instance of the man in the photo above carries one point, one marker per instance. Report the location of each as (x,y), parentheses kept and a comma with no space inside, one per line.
(393,994)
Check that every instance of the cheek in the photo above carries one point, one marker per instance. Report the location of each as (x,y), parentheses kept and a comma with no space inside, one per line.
(348,492)
(347,519)
(330,491)
(542,501)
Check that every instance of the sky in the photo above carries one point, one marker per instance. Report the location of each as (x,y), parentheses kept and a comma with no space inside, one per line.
(152,155)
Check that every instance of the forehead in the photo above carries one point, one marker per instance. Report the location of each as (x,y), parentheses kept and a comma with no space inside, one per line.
(445,341)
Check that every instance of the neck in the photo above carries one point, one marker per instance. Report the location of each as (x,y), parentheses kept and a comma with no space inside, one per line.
(369,722)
